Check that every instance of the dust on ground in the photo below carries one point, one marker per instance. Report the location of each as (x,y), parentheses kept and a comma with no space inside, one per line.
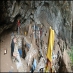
(6,62)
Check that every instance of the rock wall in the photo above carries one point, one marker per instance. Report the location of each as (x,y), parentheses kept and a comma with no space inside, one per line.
(54,13)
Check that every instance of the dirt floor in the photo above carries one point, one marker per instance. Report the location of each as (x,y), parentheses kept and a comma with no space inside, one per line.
(6,62)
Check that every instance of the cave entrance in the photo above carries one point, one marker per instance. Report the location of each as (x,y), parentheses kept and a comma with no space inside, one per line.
(14,26)
(18,16)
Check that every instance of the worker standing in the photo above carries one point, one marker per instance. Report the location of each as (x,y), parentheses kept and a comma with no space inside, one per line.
(41,30)
(18,24)
(13,54)
(34,65)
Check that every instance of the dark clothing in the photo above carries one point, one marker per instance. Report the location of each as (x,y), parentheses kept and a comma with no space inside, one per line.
(20,52)
(40,31)
(34,65)
(12,47)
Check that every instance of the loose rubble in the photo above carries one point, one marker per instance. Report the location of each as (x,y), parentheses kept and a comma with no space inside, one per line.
(32,50)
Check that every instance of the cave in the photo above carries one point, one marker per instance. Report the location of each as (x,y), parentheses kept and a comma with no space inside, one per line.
(36,18)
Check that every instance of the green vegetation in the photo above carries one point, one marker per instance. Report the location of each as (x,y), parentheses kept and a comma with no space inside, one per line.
(71,55)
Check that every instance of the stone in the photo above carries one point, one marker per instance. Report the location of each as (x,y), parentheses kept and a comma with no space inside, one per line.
(40,65)
(32,53)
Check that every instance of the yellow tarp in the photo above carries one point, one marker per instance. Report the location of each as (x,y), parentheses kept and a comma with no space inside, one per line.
(50,46)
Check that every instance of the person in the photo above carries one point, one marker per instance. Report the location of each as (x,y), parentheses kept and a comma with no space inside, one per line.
(12,47)
(13,55)
(41,31)
(34,65)
(18,23)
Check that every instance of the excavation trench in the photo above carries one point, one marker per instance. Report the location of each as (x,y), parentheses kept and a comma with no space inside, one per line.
(31,51)
(26,50)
